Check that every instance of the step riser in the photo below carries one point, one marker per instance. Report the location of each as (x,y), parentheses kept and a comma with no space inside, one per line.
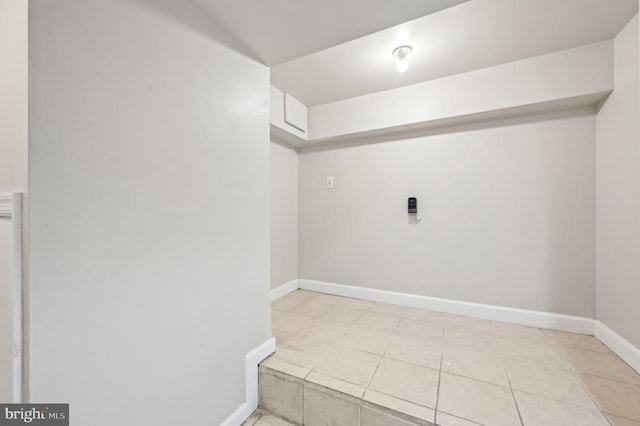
(309,404)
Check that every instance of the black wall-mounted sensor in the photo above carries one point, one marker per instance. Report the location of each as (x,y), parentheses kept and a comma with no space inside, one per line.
(413,205)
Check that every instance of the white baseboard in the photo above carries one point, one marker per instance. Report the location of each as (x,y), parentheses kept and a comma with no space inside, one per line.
(490,312)
(618,344)
(624,349)
(283,290)
(251,361)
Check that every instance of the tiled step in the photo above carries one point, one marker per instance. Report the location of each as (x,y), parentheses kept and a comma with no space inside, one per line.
(303,402)
(262,417)
(342,361)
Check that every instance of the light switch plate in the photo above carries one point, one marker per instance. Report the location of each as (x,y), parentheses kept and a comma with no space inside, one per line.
(329,182)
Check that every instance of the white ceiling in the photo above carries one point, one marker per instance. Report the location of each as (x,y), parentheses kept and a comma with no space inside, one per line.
(278,31)
(472,35)
(323,51)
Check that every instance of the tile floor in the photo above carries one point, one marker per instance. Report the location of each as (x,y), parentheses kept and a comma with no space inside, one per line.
(263,418)
(451,370)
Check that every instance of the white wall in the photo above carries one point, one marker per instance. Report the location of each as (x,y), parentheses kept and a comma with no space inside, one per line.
(13,160)
(618,194)
(13,95)
(284,214)
(507,215)
(149,181)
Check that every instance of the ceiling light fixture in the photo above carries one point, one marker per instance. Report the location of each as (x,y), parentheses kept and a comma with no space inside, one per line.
(402,53)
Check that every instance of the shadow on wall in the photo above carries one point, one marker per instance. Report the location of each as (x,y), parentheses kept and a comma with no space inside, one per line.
(564,229)
(182,13)
(458,125)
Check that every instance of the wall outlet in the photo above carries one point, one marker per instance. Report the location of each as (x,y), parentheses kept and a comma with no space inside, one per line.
(329,182)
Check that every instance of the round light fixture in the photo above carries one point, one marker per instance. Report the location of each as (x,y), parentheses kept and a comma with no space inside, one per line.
(402,53)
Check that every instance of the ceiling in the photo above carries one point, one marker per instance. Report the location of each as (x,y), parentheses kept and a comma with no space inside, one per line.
(324,51)
(278,31)
(472,35)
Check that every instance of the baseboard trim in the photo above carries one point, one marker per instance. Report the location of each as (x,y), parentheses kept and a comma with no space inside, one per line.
(251,361)
(490,312)
(618,344)
(284,289)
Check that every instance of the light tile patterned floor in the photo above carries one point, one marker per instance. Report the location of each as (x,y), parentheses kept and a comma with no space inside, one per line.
(262,418)
(457,370)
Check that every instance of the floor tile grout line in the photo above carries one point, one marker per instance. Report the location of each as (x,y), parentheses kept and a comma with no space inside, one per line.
(399,399)
(384,407)
(361,398)
(608,353)
(547,363)
(556,345)
(335,378)
(371,329)
(321,356)
(575,376)
(504,355)
(566,362)
(506,373)
(476,380)
(255,420)
(613,355)
(573,404)
(331,346)
(618,415)
(497,344)
(381,392)
(475,423)
(366,388)
(422,366)
(411,363)
(312,367)
(607,378)
(379,313)
(500,350)
(556,348)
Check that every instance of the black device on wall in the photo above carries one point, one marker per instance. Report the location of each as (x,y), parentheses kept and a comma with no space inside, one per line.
(413,205)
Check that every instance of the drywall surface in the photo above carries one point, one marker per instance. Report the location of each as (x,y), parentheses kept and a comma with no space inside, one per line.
(618,194)
(13,95)
(507,215)
(150,276)
(560,76)
(284,215)
(13,160)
